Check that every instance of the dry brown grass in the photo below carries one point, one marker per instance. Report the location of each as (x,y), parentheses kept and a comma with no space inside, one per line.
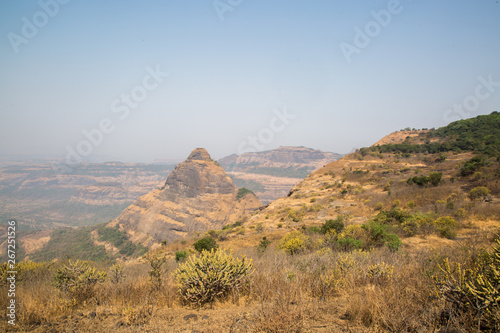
(323,291)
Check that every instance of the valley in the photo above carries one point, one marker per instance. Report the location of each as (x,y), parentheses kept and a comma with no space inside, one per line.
(358,245)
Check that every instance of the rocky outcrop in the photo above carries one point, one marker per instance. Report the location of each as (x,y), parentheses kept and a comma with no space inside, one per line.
(196,176)
(197,196)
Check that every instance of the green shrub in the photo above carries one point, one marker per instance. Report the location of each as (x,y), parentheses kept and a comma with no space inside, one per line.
(205,244)
(232,226)
(435,178)
(472,166)
(447,227)
(243,192)
(378,236)
(78,280)
(477,175)
(441,158)
(336,224)
(180,255)
(211,275)
(424,223)
(293,242)
(295,216)
(263,244)
(478,193)
(418,180)
(392,216)
(352,237)
(350,244)
(410,228)
(411,204)
(392,241)
(313,229)
(315,208)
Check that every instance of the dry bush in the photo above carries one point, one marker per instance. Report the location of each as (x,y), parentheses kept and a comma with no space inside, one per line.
(275,319)
(136,289)
(279,287)
(138,315)
(398,303)
(37,300)
(485,210)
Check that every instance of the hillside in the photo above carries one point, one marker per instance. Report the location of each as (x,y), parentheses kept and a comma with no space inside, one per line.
(372,180)
(271,174)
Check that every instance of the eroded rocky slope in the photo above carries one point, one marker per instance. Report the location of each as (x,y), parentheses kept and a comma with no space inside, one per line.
(197,196)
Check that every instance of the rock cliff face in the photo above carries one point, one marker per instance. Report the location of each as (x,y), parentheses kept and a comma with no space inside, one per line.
(197,196)
(196,176)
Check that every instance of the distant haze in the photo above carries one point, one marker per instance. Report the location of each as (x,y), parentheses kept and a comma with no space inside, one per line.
(142,81)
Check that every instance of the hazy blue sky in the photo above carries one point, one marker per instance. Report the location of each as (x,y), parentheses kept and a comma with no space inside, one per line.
(349,72)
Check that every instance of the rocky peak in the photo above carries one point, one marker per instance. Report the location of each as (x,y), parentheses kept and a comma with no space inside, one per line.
(200,154)
(197,175)
(198,195)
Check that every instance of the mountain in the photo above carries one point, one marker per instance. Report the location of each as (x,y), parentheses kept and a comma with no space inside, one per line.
(197,196)
(271,174)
